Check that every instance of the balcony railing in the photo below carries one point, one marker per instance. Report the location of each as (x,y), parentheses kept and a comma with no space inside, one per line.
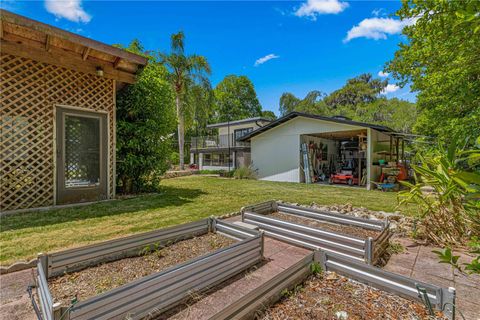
(215,142)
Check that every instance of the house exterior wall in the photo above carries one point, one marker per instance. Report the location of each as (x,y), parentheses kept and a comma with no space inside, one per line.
(276,152)
(31,91)
(224,130)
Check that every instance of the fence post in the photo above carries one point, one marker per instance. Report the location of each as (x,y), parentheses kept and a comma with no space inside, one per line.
(212,223)
(448,302)
(369,250)
(274,205)
(320,256)
(262,249)
(43,259)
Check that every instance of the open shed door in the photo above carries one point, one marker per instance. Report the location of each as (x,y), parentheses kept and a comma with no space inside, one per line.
(82,152)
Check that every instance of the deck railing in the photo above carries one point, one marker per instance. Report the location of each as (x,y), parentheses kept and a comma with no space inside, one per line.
(218,141)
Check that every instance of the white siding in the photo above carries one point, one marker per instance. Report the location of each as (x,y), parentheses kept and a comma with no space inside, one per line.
(233,127)
(276,152)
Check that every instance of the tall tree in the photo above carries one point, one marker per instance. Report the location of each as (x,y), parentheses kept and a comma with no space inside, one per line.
(441,60)
(184,71)
(361,89)
(269,115)
(235,99)
(312,103)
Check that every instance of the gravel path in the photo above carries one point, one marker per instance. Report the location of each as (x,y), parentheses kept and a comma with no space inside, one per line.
(339,228)
(331,296)
(95,280)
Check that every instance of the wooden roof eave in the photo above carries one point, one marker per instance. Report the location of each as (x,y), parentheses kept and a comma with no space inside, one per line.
(35,41)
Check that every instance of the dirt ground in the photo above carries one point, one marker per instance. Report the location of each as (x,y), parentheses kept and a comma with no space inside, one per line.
(339,228)
(331,296)
(95,280)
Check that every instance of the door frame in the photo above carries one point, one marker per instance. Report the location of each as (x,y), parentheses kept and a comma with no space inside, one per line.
(56,108)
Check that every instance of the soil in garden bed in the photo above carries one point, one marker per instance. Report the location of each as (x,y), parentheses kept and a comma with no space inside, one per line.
(95,280)
(327,226)
(331,296)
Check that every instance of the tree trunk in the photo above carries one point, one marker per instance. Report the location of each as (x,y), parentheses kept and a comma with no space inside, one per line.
(181,132)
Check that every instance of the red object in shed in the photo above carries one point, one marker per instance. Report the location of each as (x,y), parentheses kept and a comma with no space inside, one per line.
(343,178)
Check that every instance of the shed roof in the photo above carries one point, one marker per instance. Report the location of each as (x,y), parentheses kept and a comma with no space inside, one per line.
(295,114)
(38,41)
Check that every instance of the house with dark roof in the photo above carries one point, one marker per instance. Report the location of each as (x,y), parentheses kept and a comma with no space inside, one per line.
(300,147)
(222,150)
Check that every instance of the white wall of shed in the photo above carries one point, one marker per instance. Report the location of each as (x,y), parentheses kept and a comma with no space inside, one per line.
(276,152)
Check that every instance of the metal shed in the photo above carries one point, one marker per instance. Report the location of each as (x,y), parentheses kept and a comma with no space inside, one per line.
(277,147)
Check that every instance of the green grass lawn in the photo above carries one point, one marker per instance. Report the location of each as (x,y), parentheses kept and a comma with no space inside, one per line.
(181,200)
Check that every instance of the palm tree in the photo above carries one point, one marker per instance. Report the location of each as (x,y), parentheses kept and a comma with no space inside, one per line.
(184,71)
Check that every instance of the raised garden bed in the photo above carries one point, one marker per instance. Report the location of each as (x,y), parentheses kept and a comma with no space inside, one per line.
(145,286)
(331,296)
(328,226)
(95,280)
(325,285)
(354,237)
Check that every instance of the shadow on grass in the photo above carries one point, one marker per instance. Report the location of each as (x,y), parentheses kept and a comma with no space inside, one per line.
(166,197)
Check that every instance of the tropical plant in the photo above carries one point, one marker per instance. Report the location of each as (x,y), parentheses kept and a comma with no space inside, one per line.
(472,267)
(184,72)
(450,212)
(145,120)
(245,173)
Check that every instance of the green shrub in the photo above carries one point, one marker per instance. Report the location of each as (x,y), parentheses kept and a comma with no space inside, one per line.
(145,120)
(245,173)
(175,158)
(449,214)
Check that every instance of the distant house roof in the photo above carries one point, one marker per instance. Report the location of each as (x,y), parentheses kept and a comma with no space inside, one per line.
(294,114)
(27,38)
(243,121)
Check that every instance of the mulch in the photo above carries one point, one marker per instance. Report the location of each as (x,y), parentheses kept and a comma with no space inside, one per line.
(327,226)
(96,280)
(331,296)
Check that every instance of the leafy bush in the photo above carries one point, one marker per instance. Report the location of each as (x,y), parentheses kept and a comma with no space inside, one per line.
(145,120)
(472,267)
(450,214)
(175,158)
(245,173)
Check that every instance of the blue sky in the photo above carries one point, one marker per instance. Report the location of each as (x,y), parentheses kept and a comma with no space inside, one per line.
(309,45)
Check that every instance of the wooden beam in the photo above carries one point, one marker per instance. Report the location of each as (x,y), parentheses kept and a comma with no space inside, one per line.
(62,58)
(69,36)
(48,42)
(116,62)
(1,29)
(85,53)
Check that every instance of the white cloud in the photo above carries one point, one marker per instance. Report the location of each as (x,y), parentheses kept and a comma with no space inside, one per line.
(378,12)
(69,9)
(377,28)
(312,8)
(383,74)
(262,60)
(390,88)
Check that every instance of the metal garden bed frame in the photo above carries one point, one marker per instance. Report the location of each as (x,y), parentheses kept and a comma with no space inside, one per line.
(368,250)
(157,292)
(442,299)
